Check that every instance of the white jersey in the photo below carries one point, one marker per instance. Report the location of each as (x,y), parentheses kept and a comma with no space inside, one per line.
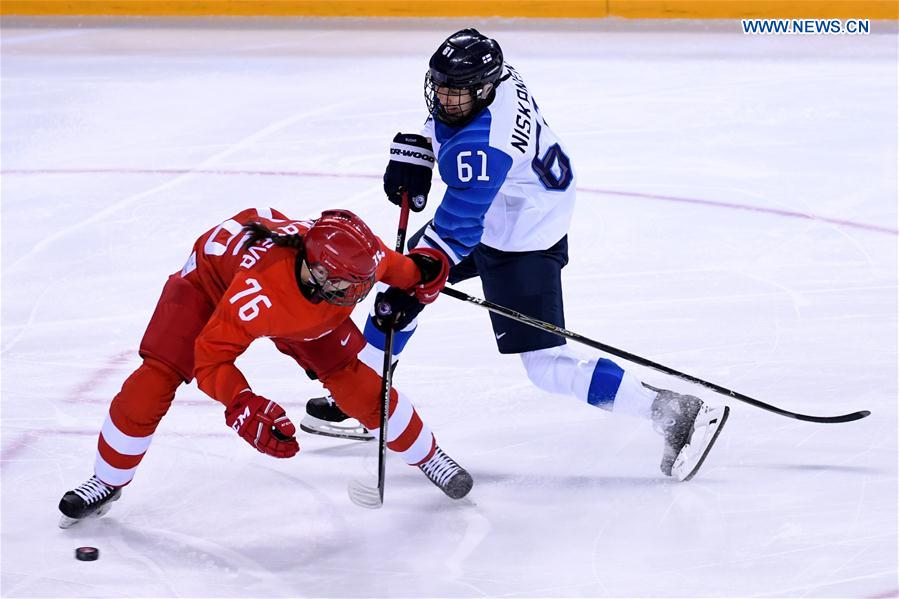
(510,184)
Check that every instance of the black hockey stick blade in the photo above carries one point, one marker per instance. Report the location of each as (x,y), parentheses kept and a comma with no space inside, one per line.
(620,353)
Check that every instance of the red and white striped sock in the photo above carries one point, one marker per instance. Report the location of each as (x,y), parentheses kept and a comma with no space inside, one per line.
(118,454)
(407,434)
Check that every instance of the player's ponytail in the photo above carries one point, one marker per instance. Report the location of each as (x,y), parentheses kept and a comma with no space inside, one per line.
(259,232)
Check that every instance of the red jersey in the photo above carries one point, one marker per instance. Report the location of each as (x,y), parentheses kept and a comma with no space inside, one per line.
(257,295)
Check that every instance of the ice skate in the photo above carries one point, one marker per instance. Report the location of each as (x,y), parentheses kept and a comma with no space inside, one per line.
(444,472)
(323,417)
(91,499)
(690,428)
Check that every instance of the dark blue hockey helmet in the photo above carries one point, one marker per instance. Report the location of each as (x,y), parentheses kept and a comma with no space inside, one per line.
(462,76)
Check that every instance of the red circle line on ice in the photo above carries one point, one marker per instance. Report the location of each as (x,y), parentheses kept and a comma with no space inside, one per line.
(300,174)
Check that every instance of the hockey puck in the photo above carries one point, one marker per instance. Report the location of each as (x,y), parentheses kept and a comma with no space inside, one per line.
(87,554)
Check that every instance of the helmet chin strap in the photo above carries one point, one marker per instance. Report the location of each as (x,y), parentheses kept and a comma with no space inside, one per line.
(307,285)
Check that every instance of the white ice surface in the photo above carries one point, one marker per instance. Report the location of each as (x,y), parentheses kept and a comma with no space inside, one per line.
(120,144)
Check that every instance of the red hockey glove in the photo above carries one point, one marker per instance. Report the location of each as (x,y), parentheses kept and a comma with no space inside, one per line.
(263,424)
(434,267)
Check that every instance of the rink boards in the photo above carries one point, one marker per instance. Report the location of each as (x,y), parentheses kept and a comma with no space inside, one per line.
(643,9)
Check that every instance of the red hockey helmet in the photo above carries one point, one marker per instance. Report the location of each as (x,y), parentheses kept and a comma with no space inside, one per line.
(342,255)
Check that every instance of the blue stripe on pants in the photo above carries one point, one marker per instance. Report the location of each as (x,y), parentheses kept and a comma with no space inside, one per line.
(604,384)
(376,338)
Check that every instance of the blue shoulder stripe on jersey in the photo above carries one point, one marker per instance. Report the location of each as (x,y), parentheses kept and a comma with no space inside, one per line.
(443,132)
(477,131)
(473,172)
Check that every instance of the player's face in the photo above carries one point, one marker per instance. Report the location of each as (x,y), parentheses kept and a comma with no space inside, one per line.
(455,102)
(340,292)
(329,286)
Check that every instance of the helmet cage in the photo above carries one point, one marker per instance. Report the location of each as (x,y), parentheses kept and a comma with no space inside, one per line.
(345,290)
(461,104)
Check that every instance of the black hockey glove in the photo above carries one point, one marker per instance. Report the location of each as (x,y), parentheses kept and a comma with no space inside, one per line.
(410,168)
(395,308)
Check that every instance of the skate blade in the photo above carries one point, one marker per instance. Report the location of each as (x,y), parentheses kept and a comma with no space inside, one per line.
(364,495)
(66,522)
(692,456)
(316,426)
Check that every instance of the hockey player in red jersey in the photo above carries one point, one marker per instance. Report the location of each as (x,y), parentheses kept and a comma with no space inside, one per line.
(260,274)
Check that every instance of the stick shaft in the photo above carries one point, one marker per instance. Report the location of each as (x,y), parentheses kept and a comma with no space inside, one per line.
(387,372)
(614,351)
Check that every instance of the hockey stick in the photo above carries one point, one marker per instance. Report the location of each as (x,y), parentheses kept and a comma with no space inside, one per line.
(522,318)
(360,493)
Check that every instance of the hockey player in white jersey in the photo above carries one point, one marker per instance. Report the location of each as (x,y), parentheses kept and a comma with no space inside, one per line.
(505,217)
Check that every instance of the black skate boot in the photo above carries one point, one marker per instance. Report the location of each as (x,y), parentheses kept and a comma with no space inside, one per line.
(93,498)
(690,428)
(444,472)
(323,417)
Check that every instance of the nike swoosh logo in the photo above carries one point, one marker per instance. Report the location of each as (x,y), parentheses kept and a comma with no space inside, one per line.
(500,335)
(346,339)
